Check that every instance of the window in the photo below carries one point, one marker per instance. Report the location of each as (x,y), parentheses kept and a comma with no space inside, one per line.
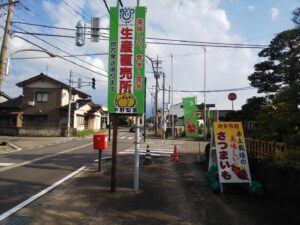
(80,120)
(42,97)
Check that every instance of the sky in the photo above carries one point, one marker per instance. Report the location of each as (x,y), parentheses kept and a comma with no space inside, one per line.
(226,21)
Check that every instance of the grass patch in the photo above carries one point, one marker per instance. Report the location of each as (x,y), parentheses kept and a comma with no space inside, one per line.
(83,133)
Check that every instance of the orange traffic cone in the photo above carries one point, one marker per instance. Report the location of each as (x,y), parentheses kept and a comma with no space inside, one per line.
(175,155)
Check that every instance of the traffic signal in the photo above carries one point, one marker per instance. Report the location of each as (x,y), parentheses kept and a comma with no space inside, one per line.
(93,83)
(80,33)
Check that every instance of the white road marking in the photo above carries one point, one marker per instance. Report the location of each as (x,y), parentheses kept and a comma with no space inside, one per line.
(6,164)
(153,151)
(41,193)
(15,147)
(108,157)
(129,138)
(42,158)
(142,153)
(123,137)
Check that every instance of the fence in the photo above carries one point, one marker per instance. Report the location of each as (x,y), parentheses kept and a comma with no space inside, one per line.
(266,149)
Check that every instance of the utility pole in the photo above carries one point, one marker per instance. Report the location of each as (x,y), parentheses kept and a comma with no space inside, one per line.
(173,125)
(156,75)
(5,39)
(163,111)
(204,94)
(69,103)
(169,102)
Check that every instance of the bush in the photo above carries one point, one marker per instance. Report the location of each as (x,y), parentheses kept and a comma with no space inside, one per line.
(89,132)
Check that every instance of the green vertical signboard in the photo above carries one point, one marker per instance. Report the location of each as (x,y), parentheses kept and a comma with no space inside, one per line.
(126,83)
(190,117)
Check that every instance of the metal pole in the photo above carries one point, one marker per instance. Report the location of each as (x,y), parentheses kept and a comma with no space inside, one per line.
(5,40)
(99,160)
(163,111)
(204,93)
(109,128)
(173,125)
(138,3)
(114,154)
(69,103)
(156,96)
(145,105)
(136,156)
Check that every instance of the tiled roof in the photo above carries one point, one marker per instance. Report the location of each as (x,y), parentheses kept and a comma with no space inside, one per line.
(12,103)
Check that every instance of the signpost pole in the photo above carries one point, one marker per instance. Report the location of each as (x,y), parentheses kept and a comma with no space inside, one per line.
(99,160)
(114,154)
(136,156)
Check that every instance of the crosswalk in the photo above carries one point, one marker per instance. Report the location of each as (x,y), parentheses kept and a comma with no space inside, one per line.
(6,164)
(156,150)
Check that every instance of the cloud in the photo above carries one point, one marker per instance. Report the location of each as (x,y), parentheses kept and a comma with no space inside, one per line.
(274,13)
(194,20)
(251,8)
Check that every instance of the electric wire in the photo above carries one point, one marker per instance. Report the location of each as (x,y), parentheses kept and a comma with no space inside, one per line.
(64,56)
(107,8)
(64,51)
(74,10)
(70,61)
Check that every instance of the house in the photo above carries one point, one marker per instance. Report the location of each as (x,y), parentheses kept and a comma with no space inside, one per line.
(44,109)
(3,97)
(11,116)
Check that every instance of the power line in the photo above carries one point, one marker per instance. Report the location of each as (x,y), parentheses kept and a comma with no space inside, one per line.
(64,56)
(210,91)
(35,15)
(204,44)
(74,10)
(64,51)
(70,61)
(187,42)
(107,8)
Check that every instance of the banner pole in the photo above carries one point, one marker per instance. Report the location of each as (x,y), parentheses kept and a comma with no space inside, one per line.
(114,154)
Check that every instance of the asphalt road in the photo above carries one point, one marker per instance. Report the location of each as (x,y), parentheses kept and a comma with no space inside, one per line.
(25,173)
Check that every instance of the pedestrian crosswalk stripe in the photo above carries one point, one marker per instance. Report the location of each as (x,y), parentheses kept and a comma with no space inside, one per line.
(6,164)
(152,151)
(143,153)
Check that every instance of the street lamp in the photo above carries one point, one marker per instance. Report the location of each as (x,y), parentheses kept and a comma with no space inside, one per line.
(24,50)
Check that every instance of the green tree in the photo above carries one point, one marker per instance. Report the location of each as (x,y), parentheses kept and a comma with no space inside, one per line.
(279,77)
(296,17)
(282,67)
(252,107)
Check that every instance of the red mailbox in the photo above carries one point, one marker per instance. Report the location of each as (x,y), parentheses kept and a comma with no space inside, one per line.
(100,141)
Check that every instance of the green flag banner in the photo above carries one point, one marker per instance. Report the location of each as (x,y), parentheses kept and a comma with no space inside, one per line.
(126,80)
(190,117)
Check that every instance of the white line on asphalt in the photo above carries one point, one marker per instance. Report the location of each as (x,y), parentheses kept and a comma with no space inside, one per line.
(108,157)
(152,154)
(15,147)
(123,137)
(41,193)
(130,138)
(6,164)
(152,151)
(42,158)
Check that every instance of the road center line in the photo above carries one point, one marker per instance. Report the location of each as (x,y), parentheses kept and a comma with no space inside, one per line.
(41,193)
(42,158)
